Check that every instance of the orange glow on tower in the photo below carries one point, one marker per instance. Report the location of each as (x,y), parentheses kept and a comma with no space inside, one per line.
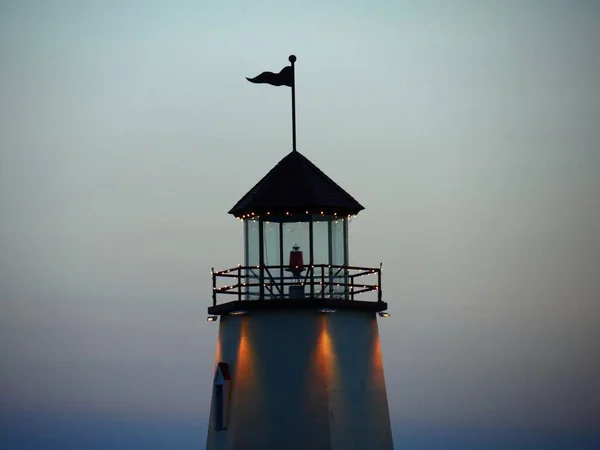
(324,356)
(244,365)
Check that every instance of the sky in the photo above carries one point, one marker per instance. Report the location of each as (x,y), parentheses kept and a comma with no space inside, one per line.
(469,130)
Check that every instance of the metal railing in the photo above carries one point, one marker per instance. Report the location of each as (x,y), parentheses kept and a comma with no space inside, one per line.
(323,281)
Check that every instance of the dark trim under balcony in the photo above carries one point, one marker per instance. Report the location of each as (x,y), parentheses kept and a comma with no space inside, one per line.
(306,303)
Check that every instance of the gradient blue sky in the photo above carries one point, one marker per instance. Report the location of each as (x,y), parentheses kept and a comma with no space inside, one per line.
(469,130)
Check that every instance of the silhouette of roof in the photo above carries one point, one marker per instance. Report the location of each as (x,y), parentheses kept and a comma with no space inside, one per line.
(295,185)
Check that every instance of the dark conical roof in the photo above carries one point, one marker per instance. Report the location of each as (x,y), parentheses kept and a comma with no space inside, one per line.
(296,185)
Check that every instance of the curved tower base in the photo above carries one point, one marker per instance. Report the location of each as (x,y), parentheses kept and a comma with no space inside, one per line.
(299,379)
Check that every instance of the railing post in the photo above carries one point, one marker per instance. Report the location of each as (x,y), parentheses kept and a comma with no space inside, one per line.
(239,271)
(214,285)
(261,259)
(330,278)
(281,269)
(379,283)
(346,286)
(322,282)
(311,258)
(311,279)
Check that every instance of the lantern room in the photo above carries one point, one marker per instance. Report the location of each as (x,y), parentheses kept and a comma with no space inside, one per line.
(296,241)
(291,243)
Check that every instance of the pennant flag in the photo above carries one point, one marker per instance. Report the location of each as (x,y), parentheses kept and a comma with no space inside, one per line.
(283,78)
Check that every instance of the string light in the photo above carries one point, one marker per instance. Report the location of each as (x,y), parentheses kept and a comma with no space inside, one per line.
(252,215)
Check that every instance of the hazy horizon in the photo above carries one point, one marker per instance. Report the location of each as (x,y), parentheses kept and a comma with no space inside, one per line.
(468,130)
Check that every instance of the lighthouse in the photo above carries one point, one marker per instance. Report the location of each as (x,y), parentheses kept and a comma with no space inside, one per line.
(298,357)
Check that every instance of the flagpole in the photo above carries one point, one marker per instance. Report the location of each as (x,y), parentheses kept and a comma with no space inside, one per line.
(292,59)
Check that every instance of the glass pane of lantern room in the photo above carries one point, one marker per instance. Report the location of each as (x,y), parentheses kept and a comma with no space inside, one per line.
(271,254)
(295,234)
(320,241)
(338,242)
(339,257)
(252,258)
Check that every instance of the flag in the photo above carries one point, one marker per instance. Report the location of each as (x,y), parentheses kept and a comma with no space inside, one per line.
(283,78)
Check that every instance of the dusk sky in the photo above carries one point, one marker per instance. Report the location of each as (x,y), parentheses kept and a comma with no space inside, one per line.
(470,131)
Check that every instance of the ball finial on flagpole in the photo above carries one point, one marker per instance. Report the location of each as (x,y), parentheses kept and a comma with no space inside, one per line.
(292,59)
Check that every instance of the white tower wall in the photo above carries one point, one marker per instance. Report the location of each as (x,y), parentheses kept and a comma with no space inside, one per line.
(302,379)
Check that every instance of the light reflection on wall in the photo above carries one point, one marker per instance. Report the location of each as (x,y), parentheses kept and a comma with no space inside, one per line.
(378,397)
(248,391)
(376,356)
(218,351)
(244,362)
(328,346)
(324,357)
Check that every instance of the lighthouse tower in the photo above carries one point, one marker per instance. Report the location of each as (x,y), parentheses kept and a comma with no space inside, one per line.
(298,358)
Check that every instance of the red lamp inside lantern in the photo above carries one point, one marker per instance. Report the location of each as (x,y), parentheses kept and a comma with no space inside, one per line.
(296,262)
